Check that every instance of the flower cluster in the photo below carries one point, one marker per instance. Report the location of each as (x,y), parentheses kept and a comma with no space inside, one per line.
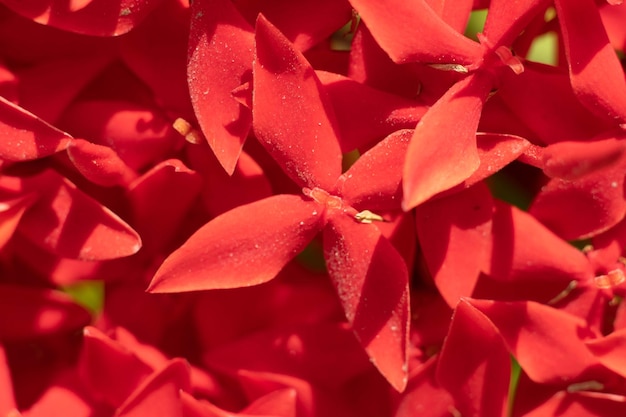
(303,208)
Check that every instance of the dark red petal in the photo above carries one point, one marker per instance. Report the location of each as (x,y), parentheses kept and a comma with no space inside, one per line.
(362,123)
(595,71)
(474,364)
(161,200)
(159,394)
(99,164)
(411,31)
(547,343)
(593,204)
(432,164)
(71,224)
(89,17)
(373,182)
(24,136)
(293,117)
(372,282)
(110,371)
(455,237)
(220,60)
(573,160)
(246,246)
(37,312)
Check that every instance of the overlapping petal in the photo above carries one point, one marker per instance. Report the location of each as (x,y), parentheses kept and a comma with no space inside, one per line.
(432,164)
(245,246)
(595,72)
(372,283)
(293,117)
(455,236)
(220,53)
(373,182)
(89,17)
(411,31)
(25,136)
(474,364)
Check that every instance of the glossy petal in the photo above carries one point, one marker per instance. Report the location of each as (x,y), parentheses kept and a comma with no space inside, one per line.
(246,246)
(95,17)
(447,227)
(474,364)
(547,343)
(11,212)
(7,399)
(220,57)
(581,404)
(596,74)
(372,283)
(68,222)
(24,136)
(373,181)
(432,164)
(411,31)
(293,117)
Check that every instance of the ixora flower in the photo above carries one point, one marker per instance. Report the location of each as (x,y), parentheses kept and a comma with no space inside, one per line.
(250,244)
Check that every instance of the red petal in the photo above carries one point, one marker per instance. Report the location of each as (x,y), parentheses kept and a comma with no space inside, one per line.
(474,365)
(610,351)
(411,31)
(305,23)
(71,224)
(432,164)
(372,282)
(293,117)
(424,394)
(373,182)
(160,393)
(220,60)
(593,204)
(446,228)
(11,212)
(89,17)
(581,404)
(595,71)
(37,312)
(109,370)
(246,246)
(99,164)
(7,399)
(24,136)
(361,123)
(495,151)
(505,20)
(161,200)
(547,343)
(529,260)
(573,160)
